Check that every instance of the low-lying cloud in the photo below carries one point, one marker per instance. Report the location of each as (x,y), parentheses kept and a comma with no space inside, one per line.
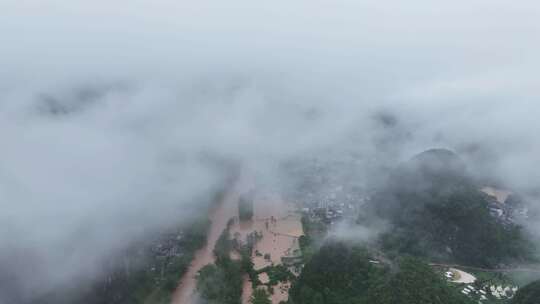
(108,108)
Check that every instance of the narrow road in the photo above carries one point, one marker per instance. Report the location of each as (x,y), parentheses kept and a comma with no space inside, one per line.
(532,268)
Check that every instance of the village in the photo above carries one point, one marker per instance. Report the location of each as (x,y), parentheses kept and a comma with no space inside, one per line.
(504,205)
(273,222)
(486,291)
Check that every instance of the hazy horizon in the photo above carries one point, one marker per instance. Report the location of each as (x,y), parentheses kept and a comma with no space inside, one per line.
(108,107)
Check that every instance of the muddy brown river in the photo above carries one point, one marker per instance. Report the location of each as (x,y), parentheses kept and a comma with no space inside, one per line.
(219,216)
(275,219)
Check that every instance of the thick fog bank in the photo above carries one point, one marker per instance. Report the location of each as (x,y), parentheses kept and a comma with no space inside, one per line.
(110,111)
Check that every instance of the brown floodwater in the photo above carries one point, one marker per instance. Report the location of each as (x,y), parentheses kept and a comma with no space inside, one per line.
(280,228)
(219,216)
(247,290)
(273,218)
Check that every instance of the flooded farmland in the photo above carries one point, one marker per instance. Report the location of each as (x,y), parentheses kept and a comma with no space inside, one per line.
(274,219)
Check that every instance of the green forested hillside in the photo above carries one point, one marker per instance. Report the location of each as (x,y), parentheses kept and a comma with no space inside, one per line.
(435,210)
(340,274)
(530,294)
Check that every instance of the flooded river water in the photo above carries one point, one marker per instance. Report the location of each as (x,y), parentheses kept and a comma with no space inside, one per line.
(275,220)
(219,216)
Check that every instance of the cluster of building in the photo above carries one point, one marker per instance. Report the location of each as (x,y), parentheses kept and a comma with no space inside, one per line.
(331,213)
(470,290)
(167,245)
(504,206)
(333,205)
(482,294)
(479,291)
(330,189)
(500,292)
(507,214)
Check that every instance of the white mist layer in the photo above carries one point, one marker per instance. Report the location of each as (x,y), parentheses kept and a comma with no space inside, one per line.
(171,81)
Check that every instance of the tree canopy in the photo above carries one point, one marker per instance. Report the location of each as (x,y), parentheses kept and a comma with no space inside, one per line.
(530,294)
(340,274)
(260,296)
(437,211)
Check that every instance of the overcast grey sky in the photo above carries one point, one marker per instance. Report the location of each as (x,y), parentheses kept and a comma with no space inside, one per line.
(163,81)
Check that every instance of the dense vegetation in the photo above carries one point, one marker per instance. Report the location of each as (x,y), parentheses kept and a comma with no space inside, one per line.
(343,274)
(530,294)
(416,283)
(157,284)
(313,232)
(221,283)
(260,296)
(336,274)
(436,211)
(140,275)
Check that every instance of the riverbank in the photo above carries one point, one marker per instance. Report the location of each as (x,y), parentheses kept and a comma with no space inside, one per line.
(219,216)
(276,222)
